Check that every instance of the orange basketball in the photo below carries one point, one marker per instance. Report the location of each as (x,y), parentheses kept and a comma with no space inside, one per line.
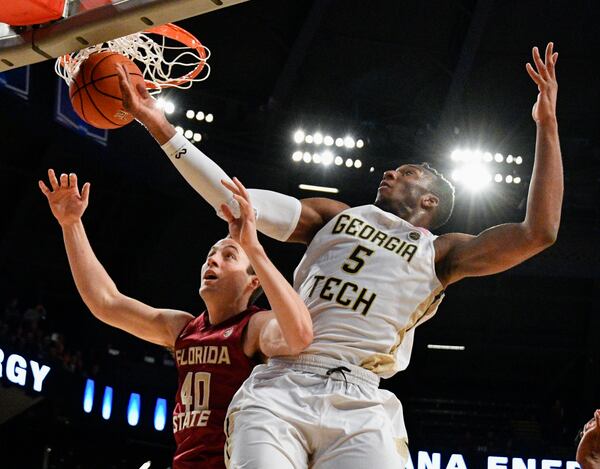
(95,93)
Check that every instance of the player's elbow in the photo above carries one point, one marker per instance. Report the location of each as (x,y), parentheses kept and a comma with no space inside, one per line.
(541,237)
(301,341)
(545,238)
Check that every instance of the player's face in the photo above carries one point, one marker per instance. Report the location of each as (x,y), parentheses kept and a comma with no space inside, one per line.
(403,185)
(225,269)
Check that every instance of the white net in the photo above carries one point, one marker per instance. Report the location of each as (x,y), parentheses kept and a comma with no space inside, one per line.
(150,56)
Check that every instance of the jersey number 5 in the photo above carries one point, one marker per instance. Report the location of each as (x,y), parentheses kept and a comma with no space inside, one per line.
(195,390)
(355,262)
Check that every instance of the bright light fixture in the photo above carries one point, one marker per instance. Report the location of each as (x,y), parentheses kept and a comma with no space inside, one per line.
(349,163)
(498,158)
(297,156)
(357,164)
(310,187)
(200,116)
(209,118)
(188,134)
(169,107)
(307,157)
(360,143)
(445,347)
(299,136)
(517,180)
(338,161)
(473,176)
(309,138)
(498,177)
(197,137)
(318,138)
(316,158)
(327,158)
(339,142)
(518,160)
(349,142)
(509,179)
(328,140)
(190,114)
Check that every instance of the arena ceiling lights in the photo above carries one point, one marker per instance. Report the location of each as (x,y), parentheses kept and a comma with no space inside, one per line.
(325,149)
(475,169)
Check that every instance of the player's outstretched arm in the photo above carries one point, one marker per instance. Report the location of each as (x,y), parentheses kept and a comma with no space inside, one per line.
(98,291)
(288,330)
(504,246)
(279,216)
(588,451)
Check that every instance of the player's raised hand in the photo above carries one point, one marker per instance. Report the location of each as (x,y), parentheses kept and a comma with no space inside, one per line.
(242,229)
(136,99)
(544,76)
(588,452)
(65,201)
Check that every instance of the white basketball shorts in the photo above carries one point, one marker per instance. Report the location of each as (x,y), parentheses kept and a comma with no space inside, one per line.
(314,412)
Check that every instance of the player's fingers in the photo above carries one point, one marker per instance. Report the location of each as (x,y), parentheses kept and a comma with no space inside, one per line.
(553,61)
(548,53)
(539,64)
(229,185)
(597,418)
(43,188)
(226,211)
(53,180)
(143,91)
(125,73)
(64,180)
(243,192)
(532,73)
(122,76)
(73,181)
(243,202)
(85,192)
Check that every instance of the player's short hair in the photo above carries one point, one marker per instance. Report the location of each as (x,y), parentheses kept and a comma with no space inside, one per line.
(257,293)
(444,190)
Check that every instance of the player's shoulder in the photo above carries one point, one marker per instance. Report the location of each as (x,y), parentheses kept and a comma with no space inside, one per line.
(316,213)
(326,208)
(446,242)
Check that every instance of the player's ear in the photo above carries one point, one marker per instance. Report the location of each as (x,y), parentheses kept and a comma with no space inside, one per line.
(430,201)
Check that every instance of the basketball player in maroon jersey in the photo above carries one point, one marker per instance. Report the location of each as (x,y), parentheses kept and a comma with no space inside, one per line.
(215,351)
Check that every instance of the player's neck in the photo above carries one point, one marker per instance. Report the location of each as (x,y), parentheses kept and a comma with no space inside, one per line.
(414,217)
(220,311)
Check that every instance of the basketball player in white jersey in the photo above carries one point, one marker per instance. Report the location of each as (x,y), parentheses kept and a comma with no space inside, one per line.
(370,275)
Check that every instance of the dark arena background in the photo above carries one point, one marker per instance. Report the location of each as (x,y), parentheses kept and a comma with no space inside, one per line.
(506,373)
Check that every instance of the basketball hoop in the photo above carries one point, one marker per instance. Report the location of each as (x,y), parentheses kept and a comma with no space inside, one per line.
(157,69)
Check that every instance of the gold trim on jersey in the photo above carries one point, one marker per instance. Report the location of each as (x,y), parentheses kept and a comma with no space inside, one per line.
(380,363)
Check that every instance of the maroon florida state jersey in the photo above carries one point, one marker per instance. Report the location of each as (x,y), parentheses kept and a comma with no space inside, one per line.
(212,366)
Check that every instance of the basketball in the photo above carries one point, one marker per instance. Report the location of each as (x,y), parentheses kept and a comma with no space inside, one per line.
(95,93)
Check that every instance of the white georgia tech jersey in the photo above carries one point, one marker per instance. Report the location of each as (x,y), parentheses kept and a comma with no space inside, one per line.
(368,279)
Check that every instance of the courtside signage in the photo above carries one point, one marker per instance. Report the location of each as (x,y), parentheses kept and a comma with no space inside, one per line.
(22,372)
(425,460)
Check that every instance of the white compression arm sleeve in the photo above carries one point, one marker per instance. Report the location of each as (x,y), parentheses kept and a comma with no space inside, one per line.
(276,214)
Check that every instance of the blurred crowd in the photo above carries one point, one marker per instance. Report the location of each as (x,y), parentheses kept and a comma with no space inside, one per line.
(28,330)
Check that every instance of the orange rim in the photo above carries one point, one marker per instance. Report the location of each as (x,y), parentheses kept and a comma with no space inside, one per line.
(172,31)
(179,34)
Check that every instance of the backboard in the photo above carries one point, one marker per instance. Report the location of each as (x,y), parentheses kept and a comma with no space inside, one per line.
(89,22)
